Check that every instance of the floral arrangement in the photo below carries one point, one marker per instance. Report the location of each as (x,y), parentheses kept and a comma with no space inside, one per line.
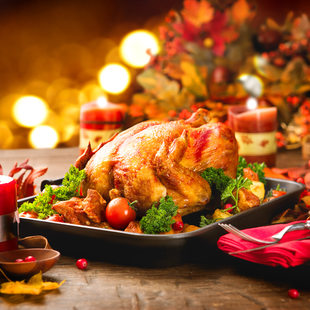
(284,65)
(203,51)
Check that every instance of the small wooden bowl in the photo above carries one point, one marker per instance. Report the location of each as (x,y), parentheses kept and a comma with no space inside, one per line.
(45,260)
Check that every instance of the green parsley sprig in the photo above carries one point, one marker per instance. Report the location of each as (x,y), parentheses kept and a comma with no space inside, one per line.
(159,218)
(42,204)
(216,178)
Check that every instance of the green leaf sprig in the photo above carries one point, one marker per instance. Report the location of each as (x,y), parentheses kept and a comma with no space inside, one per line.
(159,219)
(42,204)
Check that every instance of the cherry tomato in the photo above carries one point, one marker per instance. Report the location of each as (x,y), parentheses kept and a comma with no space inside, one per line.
(119,213)
(178,226)
(82,263)
(55,218)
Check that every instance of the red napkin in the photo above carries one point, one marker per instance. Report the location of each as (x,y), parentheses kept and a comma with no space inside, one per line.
(287,253)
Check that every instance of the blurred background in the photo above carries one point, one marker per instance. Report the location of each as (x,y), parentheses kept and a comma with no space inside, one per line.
(52,55)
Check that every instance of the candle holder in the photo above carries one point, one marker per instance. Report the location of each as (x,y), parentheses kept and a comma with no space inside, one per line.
(8,214)
(255,131)
(99,121)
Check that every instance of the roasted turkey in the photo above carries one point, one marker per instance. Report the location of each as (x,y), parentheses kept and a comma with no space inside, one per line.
(156,158)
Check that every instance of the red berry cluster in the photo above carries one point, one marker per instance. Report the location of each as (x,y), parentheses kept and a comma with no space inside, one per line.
(288,50)
(26,259)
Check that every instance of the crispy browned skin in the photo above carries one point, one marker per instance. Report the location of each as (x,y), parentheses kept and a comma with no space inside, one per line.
(82,211)
(155,159)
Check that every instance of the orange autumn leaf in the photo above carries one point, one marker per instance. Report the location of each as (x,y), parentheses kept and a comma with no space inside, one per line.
(197,13)
(240,11)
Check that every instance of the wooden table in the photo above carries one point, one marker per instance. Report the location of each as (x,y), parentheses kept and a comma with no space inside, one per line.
(221,283)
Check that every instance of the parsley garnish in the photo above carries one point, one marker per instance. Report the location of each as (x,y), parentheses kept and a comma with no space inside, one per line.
(42,204)
(232,190)
(159,218)
(216,178)
(204,221)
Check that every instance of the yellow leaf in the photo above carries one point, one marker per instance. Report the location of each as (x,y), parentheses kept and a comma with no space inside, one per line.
(197,12)
(273,24)
(34,286)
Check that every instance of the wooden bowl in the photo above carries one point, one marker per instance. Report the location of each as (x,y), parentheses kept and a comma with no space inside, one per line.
(45,260)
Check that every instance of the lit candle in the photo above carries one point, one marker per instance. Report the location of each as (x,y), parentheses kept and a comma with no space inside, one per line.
(8,208)
(99,121)
(255,131)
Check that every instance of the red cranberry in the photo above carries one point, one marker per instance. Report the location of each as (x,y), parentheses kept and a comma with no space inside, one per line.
(228,207)
(19,260)
(293,293)
(30,259)
(82,263)
(178,226)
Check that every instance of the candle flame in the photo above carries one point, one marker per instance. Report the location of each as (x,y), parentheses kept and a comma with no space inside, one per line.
(102,101)
(252,103)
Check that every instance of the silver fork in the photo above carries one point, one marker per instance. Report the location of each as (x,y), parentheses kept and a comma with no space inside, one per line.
(276,237)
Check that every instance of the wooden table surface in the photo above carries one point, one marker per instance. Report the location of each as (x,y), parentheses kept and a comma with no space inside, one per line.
(222,282)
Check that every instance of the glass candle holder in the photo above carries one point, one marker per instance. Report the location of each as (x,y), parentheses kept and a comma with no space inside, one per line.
(8,214)
(255,131)
(99,121)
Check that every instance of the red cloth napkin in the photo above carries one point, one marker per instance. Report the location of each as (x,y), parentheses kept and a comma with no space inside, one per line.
(287,253)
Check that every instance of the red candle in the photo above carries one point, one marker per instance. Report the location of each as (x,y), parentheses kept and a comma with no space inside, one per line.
(8,208)
(99,121)
(255,131)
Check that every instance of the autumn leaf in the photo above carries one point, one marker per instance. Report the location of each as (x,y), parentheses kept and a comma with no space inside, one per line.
(193,80)
(197,12)
(34,286)
(241,11)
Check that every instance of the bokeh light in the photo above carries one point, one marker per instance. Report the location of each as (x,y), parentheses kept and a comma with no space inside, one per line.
(114,78)
(43,137)
(134,47)
(30,111)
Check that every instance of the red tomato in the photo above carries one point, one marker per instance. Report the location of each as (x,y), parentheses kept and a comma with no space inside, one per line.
(55,218)
(119,213)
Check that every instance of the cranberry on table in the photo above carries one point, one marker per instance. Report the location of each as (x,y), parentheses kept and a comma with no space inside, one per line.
(293,293)
(82,263)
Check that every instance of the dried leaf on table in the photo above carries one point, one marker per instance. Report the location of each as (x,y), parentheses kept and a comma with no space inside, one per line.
(34,286)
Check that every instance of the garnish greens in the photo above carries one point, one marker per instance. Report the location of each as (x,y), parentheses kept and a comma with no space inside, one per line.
(232,189)
(256,167)
(42,204)
(159,218)
(204,221)
(216,178)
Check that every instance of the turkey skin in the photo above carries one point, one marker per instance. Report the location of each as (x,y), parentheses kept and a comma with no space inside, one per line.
(154,159)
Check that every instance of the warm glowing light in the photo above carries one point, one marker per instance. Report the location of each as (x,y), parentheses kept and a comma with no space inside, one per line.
(134,47)
(252,84)
(114,78)
(43,137)
(251,103)
(30,111)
